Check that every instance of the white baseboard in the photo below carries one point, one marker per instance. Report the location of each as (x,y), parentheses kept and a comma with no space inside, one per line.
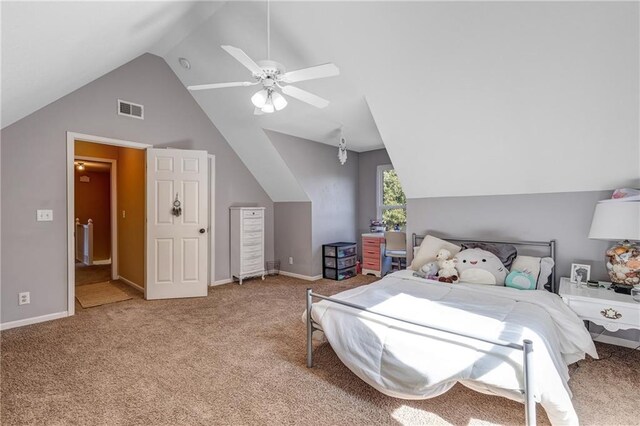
(300,276)
(612,340)
(131,283)
(34,320)
(102,262)
(221,282)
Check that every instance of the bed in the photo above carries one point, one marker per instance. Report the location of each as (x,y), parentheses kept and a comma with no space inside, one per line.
(414,338)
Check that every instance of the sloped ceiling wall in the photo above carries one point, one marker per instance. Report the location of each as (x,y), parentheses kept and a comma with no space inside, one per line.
(470,98)
(50,49)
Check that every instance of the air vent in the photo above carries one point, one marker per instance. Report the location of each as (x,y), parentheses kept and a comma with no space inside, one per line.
(130,109)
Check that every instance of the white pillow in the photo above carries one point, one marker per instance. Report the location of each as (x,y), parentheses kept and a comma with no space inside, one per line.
(539,267)
(429,249)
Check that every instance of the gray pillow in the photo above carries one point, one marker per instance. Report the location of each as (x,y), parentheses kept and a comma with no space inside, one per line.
(505,252)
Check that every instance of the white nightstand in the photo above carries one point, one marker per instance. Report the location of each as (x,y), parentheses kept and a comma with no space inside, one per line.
(611,310)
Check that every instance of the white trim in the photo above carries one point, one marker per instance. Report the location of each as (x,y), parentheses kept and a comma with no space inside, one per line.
(212,219)
(221,282)
(71,138)
(612,340)
(379,187)
(131,283)
(113,175)
(34,320)
(300,276)
(104,262)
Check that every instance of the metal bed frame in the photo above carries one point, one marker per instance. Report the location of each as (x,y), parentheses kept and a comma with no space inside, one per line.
(550,245)
(526,347)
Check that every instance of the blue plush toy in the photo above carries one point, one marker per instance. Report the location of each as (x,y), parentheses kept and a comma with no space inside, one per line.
(522,280)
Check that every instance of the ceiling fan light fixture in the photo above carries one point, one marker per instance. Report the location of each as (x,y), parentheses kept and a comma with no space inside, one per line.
(259,99)
(268,107)
(279,102)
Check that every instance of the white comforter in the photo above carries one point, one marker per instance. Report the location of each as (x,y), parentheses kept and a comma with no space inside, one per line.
(411,362)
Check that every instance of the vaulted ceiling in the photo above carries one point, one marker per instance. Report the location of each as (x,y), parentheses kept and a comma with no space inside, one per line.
(469,98)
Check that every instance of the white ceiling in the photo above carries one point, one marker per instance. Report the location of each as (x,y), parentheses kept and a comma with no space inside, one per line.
(50,49)
(470,98)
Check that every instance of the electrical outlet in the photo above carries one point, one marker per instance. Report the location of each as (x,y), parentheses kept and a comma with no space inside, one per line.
(44,215)
(290,260)
(123,214)
(24,298)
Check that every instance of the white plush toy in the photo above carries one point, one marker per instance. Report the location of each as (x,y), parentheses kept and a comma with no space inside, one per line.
(430,269)
(448,272)
(443,254)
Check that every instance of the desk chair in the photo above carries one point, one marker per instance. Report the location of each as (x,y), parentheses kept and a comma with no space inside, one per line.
(396,248)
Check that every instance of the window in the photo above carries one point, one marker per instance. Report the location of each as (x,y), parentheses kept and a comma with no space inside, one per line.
(391,200)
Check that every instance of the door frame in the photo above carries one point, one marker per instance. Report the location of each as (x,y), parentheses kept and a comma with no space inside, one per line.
(212,219)
(113,214)
(71,140)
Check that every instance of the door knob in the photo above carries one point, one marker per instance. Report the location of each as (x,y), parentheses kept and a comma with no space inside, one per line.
(202,230)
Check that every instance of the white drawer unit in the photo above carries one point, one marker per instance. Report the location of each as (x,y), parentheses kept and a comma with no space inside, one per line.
(247,242)
(611,310)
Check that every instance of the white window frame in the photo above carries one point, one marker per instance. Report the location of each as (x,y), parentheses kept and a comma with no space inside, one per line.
(379,188)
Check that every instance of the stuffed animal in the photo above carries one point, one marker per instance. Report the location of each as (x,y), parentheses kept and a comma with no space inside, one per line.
(443,254)
(430,270)
(448,272)
(480,267)
(523,280)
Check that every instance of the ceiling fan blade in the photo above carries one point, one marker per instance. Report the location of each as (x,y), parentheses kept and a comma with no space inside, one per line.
(319,71)
(304,96)
(221,85)
(244,59)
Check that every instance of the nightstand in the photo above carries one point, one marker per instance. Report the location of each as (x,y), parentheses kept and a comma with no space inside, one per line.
(611,310)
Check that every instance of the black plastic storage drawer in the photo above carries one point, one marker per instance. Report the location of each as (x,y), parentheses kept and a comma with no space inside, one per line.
(339,274)
(331,262)
(339,260)
(340,250)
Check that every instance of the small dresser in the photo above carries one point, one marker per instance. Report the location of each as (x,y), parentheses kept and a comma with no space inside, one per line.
(374,262)
(247,242)
(339,260)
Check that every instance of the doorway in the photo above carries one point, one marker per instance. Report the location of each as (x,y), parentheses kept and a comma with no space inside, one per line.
(179,238)
(96,232)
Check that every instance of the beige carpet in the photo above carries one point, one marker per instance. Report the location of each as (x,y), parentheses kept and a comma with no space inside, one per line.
(238,357)
(91,295)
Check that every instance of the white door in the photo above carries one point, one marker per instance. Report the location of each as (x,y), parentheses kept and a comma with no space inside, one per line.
(177,243)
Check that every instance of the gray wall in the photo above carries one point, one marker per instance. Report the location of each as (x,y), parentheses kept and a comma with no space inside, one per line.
(34,174)
(367,175)
(565,217)
(293,236)
(331,187)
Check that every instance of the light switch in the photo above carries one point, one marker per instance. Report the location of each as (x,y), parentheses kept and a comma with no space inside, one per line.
(44,215)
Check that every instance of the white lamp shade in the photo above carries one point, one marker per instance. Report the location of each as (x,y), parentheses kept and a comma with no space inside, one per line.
(616,220)
(279,102)
(260,98)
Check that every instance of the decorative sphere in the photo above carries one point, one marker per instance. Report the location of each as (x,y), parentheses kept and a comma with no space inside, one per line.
(623,263)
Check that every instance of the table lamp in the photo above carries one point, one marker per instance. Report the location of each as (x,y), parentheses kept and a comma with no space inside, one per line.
(619,220)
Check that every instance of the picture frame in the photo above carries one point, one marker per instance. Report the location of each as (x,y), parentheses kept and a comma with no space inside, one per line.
(580,273)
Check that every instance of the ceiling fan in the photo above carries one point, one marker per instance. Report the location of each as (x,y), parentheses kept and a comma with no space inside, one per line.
(273,76)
